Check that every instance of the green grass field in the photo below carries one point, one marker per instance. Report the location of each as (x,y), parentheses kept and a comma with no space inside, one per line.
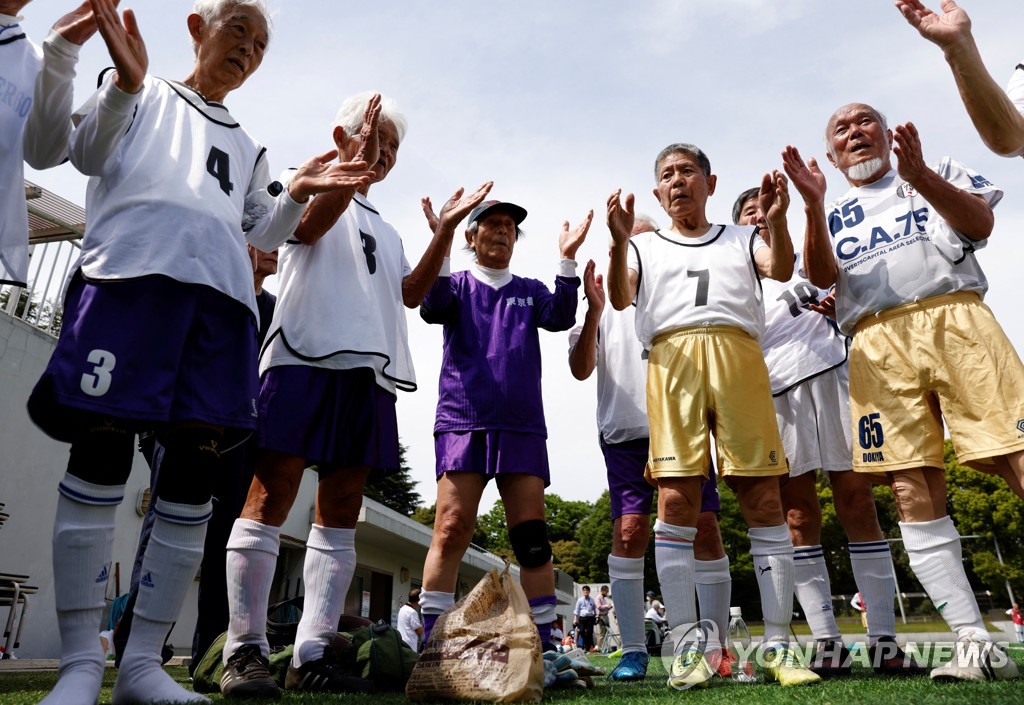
(861,688)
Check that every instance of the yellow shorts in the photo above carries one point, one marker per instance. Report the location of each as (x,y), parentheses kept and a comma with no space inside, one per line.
(711,379)
(912,366)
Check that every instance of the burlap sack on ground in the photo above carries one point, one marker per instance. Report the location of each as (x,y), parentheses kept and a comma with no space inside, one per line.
(485,648)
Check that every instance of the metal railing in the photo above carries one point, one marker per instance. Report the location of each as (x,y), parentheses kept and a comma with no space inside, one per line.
(40,303)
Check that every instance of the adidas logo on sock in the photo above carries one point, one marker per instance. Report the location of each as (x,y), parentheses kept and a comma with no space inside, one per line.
(102,577)
(147,580)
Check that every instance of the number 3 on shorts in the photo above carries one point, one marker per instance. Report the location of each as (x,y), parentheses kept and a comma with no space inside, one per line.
(97,382)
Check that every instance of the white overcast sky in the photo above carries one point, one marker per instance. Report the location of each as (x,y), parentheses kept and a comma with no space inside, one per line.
(562,102)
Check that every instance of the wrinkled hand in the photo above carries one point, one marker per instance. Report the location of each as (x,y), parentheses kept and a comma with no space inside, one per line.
(78,25)
(429,214)
(368,138)
(773,198)
(826,307)
(621,217)
(808,179)
(320,175)
(909,157)
(593,288)
(124,42)
(459,206)
(951,28)
(570,240)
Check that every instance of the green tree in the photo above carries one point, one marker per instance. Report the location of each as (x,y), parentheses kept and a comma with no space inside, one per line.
(984,504)
(396,490)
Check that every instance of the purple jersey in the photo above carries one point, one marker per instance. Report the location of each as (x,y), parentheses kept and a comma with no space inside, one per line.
(490,374)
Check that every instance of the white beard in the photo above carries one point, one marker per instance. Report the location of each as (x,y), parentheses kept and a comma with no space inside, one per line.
(865,170)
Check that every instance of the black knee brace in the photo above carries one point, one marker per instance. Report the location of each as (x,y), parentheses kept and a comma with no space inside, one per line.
(530,543)
(102,452)
(190,459)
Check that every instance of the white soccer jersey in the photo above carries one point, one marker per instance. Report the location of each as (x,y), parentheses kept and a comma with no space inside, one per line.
(702,281)
(621,377)
(798,343)
(892,248)
(35,120)
(20,60)
(340,302)
(1015,89)
(177,188)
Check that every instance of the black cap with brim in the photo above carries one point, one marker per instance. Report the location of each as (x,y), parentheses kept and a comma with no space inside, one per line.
(518,213)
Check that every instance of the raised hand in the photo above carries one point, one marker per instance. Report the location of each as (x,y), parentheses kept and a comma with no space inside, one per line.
(78,25)
(947,30)
(429,214)
(621,217)
(321,174)
(807,178)
(909,157)
(773,198)
(459,206)
(124,42)
(593,289)
(570,240)
(826,307)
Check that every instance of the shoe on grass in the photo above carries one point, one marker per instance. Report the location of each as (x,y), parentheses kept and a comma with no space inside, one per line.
(632,667)
(831,660)
(975,660)
(325,675)
(247,675)
(783,665)
(720,661)
(690,669)
(888,659)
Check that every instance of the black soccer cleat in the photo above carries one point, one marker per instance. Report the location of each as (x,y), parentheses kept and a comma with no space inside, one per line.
(247,675)
(325,675)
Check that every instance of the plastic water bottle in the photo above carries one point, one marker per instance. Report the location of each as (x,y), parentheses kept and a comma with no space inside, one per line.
(738,641)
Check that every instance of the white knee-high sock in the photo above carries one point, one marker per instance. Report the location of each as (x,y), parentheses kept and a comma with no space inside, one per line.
(714,593)
(169,567)
(327,574)
(83,539)
(876,581)
(772,550)
(814,591)
(626,576)
(673,555)
(937,560)
(252,552)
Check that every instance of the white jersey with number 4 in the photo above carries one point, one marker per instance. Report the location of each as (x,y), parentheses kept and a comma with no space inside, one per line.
(177,187)
(340,302)
(709,280)
(798,343)
(892,247)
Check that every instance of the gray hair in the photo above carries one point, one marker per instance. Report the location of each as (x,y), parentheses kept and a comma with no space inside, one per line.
(475,226)
(684,148)
(737,207)
(878,114)
(644,218)
(209,9)
(350,114)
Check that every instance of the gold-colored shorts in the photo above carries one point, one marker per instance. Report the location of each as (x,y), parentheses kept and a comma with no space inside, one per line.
(704,380)
(945,357)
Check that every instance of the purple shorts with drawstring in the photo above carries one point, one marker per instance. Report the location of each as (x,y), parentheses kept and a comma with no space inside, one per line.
(492,453)
(628,488)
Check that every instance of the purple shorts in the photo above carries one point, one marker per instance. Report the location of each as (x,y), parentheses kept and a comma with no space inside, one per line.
(333,418)
(148,352)
(629,490)
(492,453)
